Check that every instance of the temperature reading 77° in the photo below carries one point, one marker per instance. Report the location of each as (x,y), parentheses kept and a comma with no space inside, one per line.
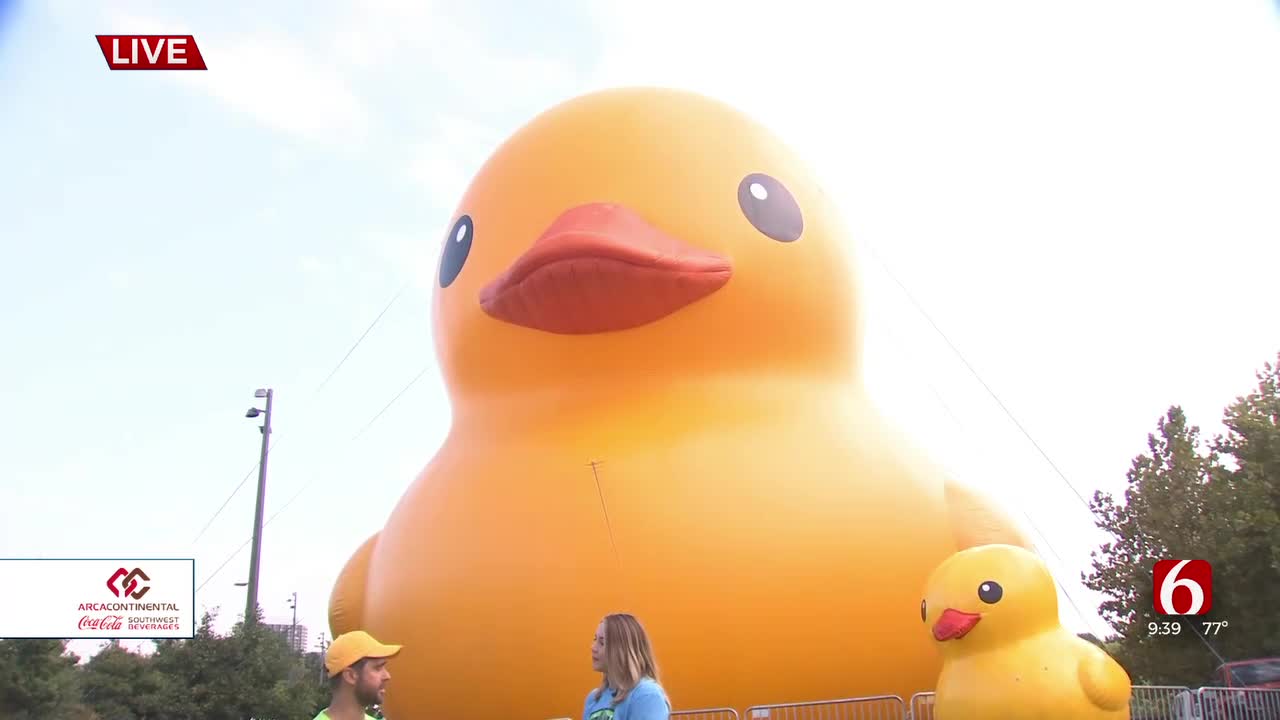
(1212,628)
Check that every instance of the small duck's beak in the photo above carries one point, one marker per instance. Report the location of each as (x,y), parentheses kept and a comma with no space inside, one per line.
(954,625)
(601,267)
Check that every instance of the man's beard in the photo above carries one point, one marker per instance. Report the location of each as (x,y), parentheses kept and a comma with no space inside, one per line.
(367,695)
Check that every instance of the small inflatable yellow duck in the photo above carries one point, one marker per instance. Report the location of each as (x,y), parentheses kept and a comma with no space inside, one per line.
(993,612)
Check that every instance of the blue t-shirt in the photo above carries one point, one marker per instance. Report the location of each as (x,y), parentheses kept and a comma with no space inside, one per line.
(646,701)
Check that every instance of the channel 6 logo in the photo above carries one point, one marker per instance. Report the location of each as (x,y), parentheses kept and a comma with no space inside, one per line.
(1183,587)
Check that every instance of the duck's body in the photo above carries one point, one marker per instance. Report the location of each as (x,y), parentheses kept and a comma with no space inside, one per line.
(762,533)
(641,425)
(1005,654)
(1052,675)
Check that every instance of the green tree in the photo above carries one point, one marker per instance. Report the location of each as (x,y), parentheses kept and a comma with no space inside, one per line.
(38,681)
(1246,519)
(201,675)
(1090,637)
(122,685)
(1187,498)
(251,672)
(282,686)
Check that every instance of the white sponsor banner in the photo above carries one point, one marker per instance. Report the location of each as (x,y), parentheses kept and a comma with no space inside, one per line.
(75,599)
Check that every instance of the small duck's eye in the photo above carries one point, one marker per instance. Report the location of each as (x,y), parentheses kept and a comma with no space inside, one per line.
(924,610)
(990,592)
(770,207)
(456,248)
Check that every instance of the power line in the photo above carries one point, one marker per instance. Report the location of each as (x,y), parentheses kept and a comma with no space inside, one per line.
(231,557)
(310,482)
(362,336)
(1007,412)
(217,512)
(893,338)
(974,372)
(404,390)
(314,395)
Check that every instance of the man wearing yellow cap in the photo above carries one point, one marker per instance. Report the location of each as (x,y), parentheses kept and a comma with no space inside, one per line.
(357,667)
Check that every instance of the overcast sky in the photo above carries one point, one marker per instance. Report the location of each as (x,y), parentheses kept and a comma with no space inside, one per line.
(1079,196)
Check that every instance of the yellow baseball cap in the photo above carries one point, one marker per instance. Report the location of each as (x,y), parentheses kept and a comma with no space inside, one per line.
(350,648)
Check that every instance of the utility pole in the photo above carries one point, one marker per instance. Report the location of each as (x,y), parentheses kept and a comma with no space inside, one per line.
(251,603)
(324,647)
(293,634)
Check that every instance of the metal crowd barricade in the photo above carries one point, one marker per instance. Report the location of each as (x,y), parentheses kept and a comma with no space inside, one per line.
(1148,702)
(876,707)
(1221,703)
(921,706)
(1162,702)
(707,714)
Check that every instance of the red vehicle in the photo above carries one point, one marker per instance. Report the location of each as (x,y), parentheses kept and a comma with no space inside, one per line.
(1262,673)
(1244,690)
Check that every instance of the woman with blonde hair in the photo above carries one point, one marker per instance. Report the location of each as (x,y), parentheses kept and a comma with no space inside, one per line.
(629,687)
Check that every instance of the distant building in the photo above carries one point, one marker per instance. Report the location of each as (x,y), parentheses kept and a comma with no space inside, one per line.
(297,640)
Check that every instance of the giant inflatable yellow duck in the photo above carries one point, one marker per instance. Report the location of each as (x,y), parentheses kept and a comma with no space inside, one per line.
(647,319)
(993,611)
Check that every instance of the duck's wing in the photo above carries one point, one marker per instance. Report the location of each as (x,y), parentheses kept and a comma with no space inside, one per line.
(346,602)
(1104,682)
(979,520)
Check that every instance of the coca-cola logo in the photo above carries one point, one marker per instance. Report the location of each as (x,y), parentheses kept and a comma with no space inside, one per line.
(106,622)
(129,586)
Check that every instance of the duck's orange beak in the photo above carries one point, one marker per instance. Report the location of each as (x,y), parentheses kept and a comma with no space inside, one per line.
(954,624)
(601,267)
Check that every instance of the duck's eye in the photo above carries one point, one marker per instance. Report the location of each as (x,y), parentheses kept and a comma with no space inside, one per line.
(456,249)
(924,610)
(770,207)
(990,592)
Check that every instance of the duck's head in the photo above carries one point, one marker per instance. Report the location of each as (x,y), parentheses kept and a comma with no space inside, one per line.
(987,596)
(638,233)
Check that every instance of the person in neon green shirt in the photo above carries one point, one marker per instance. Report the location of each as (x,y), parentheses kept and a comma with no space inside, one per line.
(358,676)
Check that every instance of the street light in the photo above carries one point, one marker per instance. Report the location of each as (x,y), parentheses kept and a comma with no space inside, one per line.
(251,603)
